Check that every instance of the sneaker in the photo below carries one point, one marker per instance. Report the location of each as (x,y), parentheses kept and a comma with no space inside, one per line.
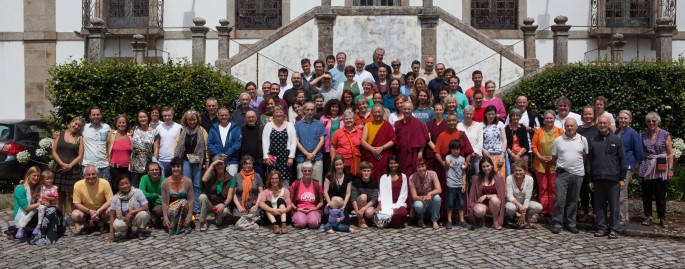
(19,234)
(573,230)
(465,225)
(142,235)
(448,225)
(36,231)
(555,230)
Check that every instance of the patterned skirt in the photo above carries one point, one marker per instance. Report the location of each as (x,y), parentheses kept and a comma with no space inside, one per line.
(65,180)
(178,212)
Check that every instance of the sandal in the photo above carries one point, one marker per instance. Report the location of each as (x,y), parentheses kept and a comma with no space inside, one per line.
(647,222)
(498,228)
(436,226)
(613,235)
(600,233)
(204,226)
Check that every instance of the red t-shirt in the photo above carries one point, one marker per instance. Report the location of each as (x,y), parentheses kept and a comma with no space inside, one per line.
(479,114)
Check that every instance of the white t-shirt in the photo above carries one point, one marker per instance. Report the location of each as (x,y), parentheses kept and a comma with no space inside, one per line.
(167,140)
(559,122)
(570,152)
(360,76)
(223,131)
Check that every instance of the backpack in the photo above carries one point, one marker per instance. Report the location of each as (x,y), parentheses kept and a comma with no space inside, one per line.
(52,228)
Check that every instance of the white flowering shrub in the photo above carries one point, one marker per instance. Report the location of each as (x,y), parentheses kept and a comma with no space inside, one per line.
(41,152)
(45,143)
(24,156)
(678,147)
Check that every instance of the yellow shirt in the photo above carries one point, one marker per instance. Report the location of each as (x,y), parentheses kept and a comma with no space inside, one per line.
(92,197)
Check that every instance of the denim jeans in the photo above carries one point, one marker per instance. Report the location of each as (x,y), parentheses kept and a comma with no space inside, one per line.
(338,227)
(194,172)
(433,206)
(166,168)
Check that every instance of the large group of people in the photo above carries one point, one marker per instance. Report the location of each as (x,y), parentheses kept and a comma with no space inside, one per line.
(362,144)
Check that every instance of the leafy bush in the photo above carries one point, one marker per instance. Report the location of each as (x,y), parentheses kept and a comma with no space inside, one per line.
(640,87)
(126,88)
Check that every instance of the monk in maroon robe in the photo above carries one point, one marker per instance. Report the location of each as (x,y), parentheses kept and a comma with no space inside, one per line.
(378,138)
(412,137)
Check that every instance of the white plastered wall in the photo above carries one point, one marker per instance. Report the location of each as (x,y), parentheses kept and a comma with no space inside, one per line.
(12,80)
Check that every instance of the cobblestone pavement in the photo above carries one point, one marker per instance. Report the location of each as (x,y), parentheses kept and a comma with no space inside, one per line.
(369,248)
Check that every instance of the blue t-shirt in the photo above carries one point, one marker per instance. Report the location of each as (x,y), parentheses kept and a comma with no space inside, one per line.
(309,134)
(424,114)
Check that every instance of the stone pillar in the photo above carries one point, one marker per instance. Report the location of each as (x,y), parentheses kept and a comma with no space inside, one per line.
(429,22)
(96,40)
(224,32)
(139,46)
(530,62)
(325,21)
(664,39)
(199,34)
(560,30)
(617,44)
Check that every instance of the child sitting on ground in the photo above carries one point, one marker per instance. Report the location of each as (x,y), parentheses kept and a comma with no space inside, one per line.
(336,215)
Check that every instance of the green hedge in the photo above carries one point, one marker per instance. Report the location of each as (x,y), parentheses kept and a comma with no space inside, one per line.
(640,87)
(125,88)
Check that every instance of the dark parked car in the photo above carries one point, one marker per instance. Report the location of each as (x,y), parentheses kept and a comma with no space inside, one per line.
(16,137)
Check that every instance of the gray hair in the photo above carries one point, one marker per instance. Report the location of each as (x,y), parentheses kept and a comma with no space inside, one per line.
(244,94)
(563,100)
(470,108)
(90,166)
(368,81)
(362,101)
(627,112)
(653,116)
(378,106)
(549,111)
(306,164)
(348,113)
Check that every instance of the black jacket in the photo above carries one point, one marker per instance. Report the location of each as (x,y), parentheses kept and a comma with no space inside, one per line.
(607,160)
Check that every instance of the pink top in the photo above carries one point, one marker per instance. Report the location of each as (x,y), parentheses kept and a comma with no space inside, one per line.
(121,153)
(51,192)
(267,195)
(306,197)
(497,102)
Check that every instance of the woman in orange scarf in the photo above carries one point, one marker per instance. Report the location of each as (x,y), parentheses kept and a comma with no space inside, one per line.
(246,186)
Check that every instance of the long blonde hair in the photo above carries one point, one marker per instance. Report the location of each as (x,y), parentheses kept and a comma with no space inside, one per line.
(32,192)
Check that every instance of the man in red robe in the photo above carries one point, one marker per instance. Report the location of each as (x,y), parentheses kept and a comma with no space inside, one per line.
(412,136)
(378,137)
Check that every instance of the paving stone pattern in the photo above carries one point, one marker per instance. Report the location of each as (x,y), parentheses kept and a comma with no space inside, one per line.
(368,248)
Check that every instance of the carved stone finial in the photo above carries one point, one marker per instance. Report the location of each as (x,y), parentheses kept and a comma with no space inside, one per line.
(199,21)
(561,20)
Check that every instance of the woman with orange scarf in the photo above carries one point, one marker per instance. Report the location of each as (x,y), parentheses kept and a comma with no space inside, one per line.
(246,187)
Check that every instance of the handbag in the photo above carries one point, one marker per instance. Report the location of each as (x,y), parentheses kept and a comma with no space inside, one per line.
(247,222)
(662,164)
(193,158)
(381,219)
(356,157)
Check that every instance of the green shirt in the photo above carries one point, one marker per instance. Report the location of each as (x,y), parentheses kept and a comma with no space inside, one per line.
(20,201)
(152,191)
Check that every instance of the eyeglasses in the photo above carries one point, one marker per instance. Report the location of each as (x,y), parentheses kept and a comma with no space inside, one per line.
(651,121)
(395,65)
